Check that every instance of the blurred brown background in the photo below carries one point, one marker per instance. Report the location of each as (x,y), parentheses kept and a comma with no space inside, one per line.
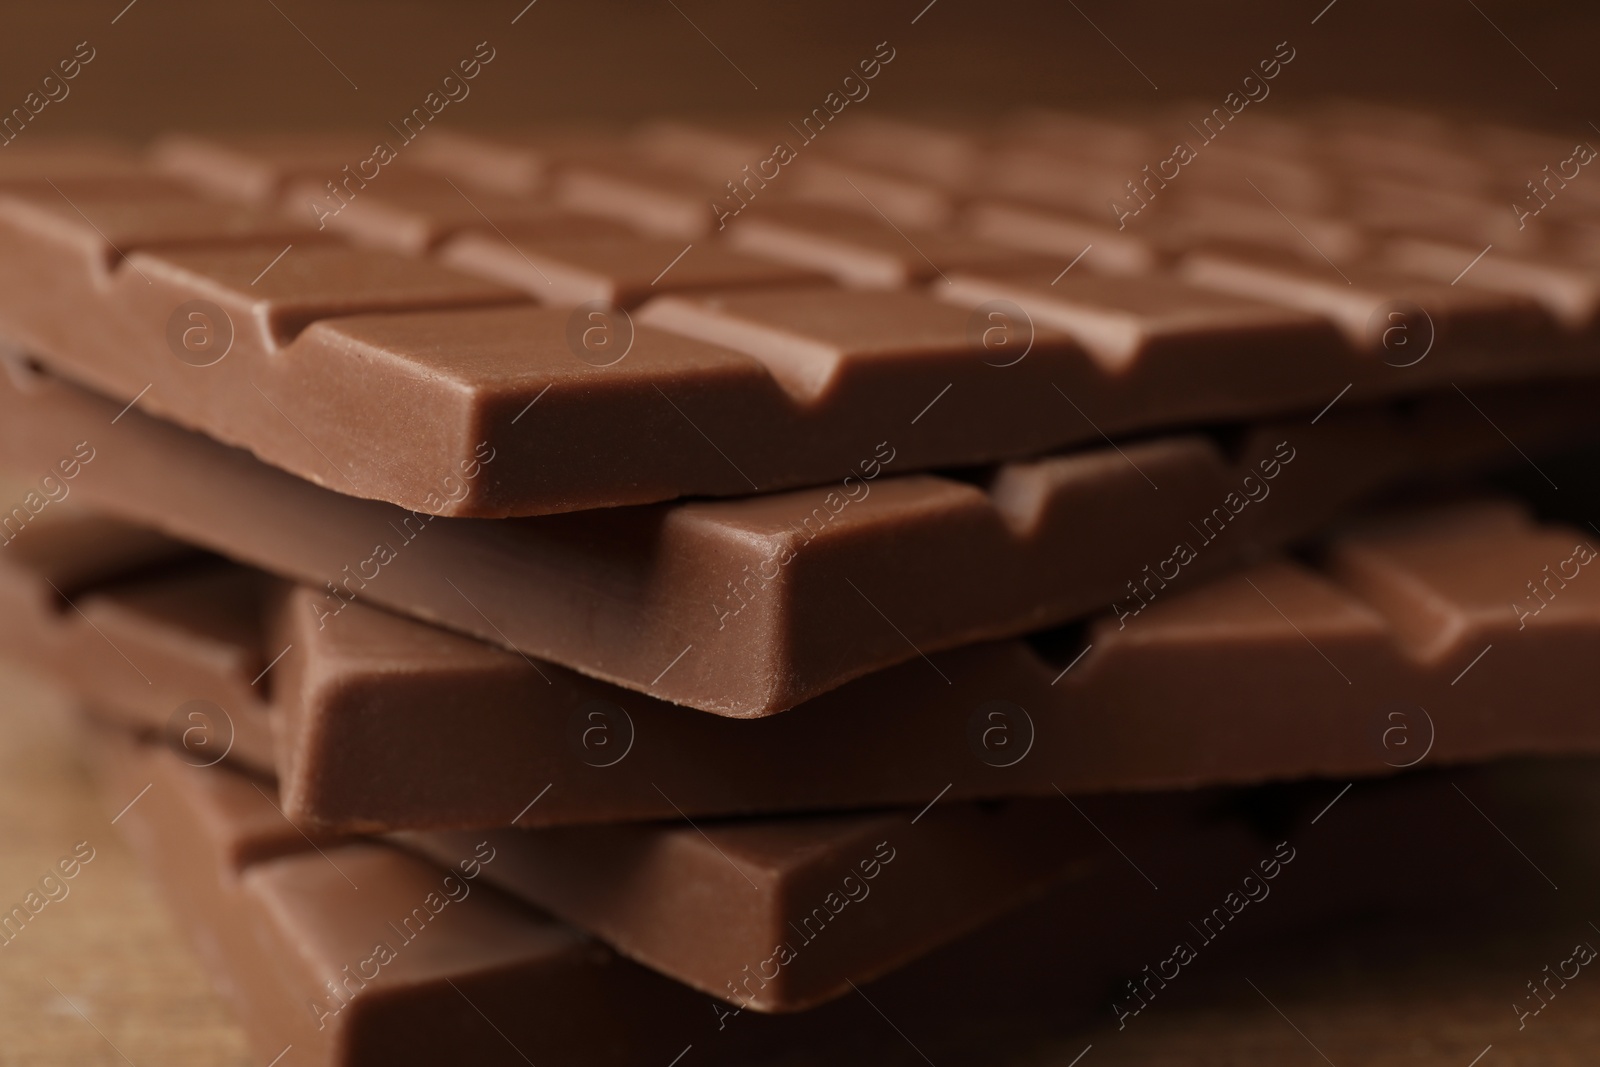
(255,64)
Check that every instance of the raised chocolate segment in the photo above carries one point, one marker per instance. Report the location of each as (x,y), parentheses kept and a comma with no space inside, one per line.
(716,905)
(833,239)
(615,271)
(390,724)
(1264,281)
(259,168)
(751,606)
(415,214)
(67,167)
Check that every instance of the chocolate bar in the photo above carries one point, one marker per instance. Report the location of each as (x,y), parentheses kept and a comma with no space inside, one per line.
(1403,617)
(757,386)
(194,632)
(358,952)
(748,607)
(763,913)
(1407,644)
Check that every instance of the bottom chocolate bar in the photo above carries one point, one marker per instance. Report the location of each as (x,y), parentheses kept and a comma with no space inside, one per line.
(780,914)
(354,952)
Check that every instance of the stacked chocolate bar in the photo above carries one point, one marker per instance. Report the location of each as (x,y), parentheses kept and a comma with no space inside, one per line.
(609,598)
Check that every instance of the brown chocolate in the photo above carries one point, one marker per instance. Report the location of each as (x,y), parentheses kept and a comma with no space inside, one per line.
(667,203)
(77,552)
(1379,650)
(833,240)
(1387,647)
(358,953)
(151,633)
(195,631)
(415,213)
(74,167)
(1568,288)
(264,168)
(616,271)
(1443,984)
(1360,302)
(325,349)
(294,930)
(748,607)
(764,913)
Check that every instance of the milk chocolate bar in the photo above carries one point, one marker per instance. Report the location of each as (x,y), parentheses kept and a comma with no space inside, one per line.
(748,607)
(192,633)
(1407,644)
(961,865)
(1217,308)
(1378,647)
(763,913)
(357,952)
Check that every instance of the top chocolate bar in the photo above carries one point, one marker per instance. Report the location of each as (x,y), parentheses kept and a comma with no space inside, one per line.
(520,325)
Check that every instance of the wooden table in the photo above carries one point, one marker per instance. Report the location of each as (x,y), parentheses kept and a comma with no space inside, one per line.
(101,976)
